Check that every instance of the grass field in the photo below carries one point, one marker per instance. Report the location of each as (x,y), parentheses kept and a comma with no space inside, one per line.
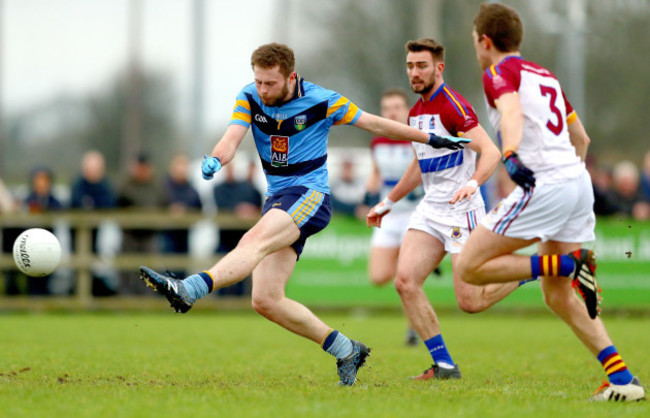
(240,365)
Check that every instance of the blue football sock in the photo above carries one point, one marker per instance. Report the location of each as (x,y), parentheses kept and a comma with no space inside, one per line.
(614,366)
(198,285)
(337,345)
(438,351)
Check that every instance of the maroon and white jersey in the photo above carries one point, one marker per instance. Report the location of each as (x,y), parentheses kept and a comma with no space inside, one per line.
(444,171)
(392,158)
(545,147)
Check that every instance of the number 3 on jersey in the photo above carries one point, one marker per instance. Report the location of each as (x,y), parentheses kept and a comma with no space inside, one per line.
(552,92)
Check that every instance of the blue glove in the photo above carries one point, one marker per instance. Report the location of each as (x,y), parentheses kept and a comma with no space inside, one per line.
(450,142)
(517,171)
(209,166)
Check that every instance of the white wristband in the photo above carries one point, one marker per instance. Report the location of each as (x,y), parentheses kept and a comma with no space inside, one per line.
(387,205)
(473,183)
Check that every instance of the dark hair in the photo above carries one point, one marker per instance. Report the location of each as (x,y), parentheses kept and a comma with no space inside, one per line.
(436,49)
(501,24)
(396,91)
(273,54)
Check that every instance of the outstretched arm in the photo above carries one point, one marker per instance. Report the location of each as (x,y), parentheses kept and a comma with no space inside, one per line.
(487,163)
(391,129)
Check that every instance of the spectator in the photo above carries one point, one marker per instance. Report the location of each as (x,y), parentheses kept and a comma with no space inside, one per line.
(347,192)
(628,199)
(602,183)
(242,198)
(139,190)
(91,191)
(179,197)
(41,198)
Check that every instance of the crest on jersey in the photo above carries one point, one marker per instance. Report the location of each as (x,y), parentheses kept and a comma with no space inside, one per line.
(455,232)
(299,122)
(279,151)
(432,123)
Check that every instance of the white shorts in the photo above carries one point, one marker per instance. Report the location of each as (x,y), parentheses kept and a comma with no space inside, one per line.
(552,212)
(393,228)
(452,229)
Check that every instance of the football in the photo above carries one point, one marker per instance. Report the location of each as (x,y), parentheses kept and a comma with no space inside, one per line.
(37,252)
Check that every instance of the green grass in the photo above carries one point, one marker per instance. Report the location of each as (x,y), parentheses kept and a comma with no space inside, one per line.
(228,364)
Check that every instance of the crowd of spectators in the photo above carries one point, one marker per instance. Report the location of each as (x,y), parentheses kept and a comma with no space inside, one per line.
(622,190)
(140,189)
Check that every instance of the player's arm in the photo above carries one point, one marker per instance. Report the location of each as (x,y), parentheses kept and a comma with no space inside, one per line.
(229,142)
(512,121)
(511,130)
(487,163)
(224,151)
(385,127)
(409,181)
(578,135)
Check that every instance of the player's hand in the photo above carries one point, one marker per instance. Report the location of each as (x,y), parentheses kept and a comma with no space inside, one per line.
(374,217)
(517,171)
(209,166)
(450,142)
(465,192)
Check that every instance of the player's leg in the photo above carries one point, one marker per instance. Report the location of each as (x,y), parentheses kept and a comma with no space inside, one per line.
(420,253)
(275,230)
(488,257)
(382,264)
(268,298)
(561,298)
(473,298)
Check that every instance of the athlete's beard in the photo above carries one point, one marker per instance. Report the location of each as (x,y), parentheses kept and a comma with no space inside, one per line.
(278,100)
(426,89)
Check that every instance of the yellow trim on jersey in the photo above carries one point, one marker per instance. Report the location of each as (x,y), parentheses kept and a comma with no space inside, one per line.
(309,205)
(352,112)
(449,94)
(336,106)
(241,116)
(242,103)
(571,117)
(493,70)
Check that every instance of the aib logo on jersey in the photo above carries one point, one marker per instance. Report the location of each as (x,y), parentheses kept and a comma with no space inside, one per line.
(279,151)
(299,122)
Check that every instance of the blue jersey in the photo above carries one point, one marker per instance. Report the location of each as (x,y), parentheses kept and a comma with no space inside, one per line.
(291,139)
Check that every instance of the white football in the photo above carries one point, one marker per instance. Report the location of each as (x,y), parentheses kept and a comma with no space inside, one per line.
(37,252)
